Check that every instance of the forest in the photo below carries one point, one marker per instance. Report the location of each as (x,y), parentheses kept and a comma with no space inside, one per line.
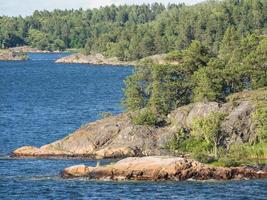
(131,32)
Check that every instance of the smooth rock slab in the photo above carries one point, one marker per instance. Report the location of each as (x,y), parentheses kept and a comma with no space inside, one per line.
(161,168)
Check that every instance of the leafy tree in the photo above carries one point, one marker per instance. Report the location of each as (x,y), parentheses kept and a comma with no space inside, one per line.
(146,117)
(207,84)
(58,45)
(257,61)
(136,89)
(229,43)
(209,129)
(196,56)
(162,97)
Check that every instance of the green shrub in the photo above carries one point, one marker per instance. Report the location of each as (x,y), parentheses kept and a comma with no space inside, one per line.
(195,145)
(199,149)
(175,142)
(260,120)
(244,154)
(203,157)
(146,117)
(209,129)
(258,154)
(174,56)
(183,143)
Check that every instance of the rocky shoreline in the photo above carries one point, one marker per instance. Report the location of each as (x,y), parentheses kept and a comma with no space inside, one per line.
(118,137)
(95,59)
(158,168)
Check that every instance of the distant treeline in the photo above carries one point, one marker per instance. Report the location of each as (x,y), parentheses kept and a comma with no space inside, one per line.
(136,31)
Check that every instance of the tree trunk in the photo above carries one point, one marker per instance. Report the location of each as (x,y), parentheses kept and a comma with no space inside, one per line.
(215,150)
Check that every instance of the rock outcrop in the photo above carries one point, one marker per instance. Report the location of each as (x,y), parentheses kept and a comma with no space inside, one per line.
(117,136)
(96,59)
(111,137)
(161,168)
(27,49)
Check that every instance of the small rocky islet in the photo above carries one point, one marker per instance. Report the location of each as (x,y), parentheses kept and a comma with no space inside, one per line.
(20,53)
(8,55)
(118,137)
(94,59)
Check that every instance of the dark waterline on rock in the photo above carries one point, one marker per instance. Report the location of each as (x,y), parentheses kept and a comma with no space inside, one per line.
(41,101)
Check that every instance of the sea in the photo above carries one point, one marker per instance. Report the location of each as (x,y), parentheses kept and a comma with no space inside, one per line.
(42,101)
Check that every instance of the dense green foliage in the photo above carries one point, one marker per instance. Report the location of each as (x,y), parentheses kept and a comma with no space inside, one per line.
(146,117)
(200,75)
(133,32)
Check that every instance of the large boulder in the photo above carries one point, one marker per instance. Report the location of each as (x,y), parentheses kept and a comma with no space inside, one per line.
(161,168)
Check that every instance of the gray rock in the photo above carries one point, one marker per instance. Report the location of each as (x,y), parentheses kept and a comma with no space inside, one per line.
(238,124)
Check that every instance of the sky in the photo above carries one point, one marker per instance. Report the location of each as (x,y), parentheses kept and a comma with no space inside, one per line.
(26,7)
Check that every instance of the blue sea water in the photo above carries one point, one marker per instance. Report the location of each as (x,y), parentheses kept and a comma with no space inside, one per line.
(41,101)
